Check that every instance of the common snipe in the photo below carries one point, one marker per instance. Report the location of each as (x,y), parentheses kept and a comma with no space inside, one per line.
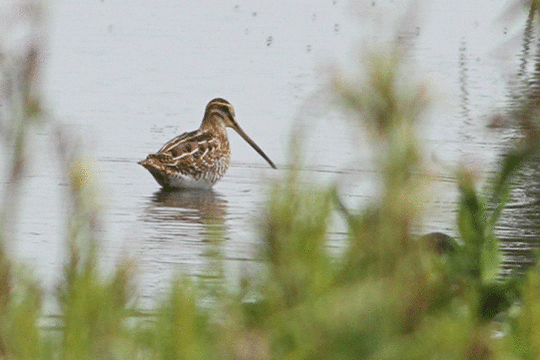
(198,159)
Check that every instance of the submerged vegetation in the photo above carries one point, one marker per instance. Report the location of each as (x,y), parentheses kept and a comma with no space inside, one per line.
(388,295)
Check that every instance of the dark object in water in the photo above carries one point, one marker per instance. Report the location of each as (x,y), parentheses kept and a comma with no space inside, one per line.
(440,242)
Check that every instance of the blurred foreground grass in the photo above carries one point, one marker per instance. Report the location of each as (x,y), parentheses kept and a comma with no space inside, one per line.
(388,295)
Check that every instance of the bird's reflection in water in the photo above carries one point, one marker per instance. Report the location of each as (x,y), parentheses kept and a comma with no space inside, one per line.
(179,230)
(188,207)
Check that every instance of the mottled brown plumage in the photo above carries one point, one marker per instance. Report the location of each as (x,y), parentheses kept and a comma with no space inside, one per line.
(198,159)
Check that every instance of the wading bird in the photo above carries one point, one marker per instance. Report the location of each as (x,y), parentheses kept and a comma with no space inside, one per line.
(198,159)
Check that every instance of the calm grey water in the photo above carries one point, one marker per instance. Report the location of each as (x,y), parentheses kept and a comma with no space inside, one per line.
(125,78)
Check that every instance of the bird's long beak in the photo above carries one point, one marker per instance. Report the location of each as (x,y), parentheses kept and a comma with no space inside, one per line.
(252,143)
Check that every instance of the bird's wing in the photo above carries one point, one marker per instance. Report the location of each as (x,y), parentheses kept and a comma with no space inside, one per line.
(192,153)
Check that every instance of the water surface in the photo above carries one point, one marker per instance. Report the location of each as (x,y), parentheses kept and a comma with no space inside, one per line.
(126,78)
